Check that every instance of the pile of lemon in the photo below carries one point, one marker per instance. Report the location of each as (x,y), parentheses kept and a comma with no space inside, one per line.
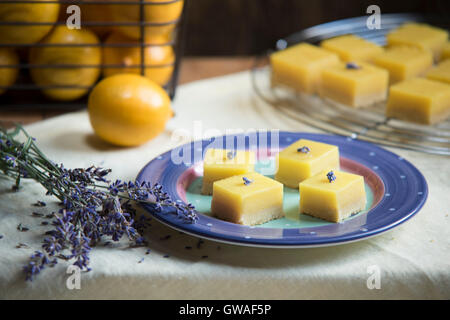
(127,109)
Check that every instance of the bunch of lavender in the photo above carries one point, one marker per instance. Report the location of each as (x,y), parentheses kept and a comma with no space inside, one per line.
(92,207)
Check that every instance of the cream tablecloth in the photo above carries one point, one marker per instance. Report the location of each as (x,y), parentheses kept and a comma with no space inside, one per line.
(413,259)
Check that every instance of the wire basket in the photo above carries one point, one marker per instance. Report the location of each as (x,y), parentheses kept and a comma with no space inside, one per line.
(369,124)
(25,93)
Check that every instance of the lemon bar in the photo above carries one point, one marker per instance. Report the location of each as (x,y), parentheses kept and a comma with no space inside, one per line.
(441,72)
(352,48)
(303,159)
(247,199)
(220,164)
(299,66)
(332,196)
(355,84)
(419,100)
(446,51)
(419,35)
(404,62)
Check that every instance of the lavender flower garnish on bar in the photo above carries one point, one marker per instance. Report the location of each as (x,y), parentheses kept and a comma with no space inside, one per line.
(304,149)
(92,207)
(331,177)
(231,155)
(352,65)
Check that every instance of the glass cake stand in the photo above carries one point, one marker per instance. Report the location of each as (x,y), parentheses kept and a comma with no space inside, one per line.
(368,124)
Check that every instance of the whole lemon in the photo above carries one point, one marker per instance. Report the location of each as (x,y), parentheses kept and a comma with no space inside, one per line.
(159,59)
(128,109)
(53,59)
(28,13)
(159,13)
(8,75)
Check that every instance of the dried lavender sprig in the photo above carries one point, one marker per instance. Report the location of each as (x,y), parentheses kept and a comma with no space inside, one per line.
(38,261)
(92,206)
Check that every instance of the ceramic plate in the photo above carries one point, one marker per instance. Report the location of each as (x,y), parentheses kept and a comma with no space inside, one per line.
(395,190)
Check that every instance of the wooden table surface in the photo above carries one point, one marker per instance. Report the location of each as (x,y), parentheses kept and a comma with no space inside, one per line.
(192,69)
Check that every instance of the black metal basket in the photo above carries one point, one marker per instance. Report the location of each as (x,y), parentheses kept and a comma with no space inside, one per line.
(24,94)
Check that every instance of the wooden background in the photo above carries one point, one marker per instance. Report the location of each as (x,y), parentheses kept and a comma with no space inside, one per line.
(246,27)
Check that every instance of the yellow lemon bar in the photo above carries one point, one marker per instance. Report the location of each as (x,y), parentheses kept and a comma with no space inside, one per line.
(303,159)
(352,48)
(355,84)
(446,51)
(441,72)
(220,164)
(335,200)
(419,35)
(404,62)
(247,199)
(299,66)
(419,100)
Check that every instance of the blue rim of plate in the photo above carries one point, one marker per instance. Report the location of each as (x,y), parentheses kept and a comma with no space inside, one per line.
(405,192)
